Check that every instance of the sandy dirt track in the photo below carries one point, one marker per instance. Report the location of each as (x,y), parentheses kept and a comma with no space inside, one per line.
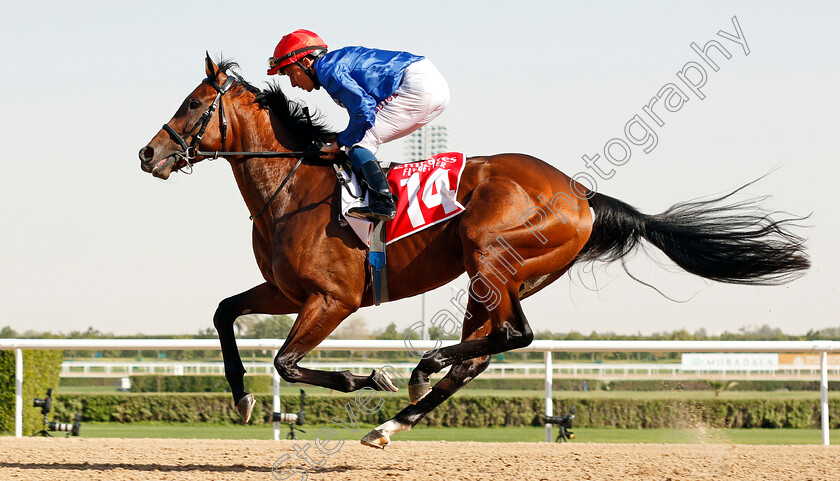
(165,459)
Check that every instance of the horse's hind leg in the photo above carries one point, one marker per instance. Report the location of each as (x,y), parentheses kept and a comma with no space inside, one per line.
(502,328)
(472,355)
(484,231)
(262,299)
(476,325)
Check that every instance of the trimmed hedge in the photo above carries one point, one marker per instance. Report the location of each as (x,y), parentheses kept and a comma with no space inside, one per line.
(40,372)
(196,383)
(262,384)
(462,411)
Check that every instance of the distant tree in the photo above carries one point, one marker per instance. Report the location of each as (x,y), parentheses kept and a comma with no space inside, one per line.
(573,336)
(352,328)
(90,333)
(8,332)
(681,335)
(207,333)
(265,327)
(390,333)
(437,334)
(827,334)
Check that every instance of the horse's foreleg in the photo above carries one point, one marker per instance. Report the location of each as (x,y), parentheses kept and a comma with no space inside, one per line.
(318,318)
(263,299)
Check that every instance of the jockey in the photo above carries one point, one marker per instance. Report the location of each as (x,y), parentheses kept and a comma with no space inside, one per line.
(387,94)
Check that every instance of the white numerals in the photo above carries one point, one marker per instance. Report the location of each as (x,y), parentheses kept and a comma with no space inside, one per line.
(435,193)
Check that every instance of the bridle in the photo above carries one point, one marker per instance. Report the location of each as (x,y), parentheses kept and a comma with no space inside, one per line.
(190,152)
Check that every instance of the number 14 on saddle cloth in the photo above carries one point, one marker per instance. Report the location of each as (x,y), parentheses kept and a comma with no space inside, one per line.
(427,192)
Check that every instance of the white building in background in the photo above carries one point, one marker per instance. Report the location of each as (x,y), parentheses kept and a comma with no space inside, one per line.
(420,145)
(426,142)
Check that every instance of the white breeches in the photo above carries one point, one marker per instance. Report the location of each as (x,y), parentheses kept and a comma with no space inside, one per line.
(422,96)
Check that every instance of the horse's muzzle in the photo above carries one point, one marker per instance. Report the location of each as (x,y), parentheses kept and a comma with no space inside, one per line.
(158,166)
(146,155)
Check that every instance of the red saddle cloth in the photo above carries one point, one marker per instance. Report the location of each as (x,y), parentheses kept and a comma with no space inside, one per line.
(427,193)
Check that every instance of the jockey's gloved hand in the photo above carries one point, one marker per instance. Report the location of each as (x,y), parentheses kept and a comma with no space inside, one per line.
(329,151)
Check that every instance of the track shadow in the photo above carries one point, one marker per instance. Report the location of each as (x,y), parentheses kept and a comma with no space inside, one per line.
(346,468)
(235,468)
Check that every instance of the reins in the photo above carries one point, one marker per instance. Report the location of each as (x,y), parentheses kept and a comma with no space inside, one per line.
(191,152)
(274,195)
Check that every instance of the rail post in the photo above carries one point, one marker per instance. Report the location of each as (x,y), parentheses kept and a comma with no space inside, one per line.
(275,405)
(18,393)
(824,395)
(549,403)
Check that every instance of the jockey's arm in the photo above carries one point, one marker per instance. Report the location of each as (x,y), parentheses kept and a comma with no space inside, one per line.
(360,106)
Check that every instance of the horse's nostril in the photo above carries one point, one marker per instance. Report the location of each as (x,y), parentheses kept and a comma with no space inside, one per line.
(147,153)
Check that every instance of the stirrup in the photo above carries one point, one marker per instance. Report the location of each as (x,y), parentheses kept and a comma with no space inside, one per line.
(372,214)
(365,213)
(382,207)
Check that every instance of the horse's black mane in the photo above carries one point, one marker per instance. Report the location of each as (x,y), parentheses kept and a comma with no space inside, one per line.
(308,128)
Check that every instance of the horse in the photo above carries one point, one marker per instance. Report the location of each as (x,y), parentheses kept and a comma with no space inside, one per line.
(524,225)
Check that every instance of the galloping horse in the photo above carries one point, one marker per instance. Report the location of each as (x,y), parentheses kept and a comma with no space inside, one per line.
(316,268)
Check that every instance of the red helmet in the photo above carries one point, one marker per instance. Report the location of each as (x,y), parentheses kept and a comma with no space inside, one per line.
(293,47)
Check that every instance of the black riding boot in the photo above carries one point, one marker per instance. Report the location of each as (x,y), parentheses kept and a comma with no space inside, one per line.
(382,200)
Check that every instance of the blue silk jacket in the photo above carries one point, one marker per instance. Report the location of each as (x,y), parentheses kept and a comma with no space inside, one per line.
(358,78)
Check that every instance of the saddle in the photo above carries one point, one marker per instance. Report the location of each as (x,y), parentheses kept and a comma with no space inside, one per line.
(426,194)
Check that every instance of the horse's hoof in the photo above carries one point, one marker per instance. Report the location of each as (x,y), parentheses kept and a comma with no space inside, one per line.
(418,391)
(383,380)
(376,439)
(245,407)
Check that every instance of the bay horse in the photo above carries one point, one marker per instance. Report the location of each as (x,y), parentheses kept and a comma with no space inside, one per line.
(316,268)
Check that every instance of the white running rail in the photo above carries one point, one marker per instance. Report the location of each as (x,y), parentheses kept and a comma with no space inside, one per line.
(546,347)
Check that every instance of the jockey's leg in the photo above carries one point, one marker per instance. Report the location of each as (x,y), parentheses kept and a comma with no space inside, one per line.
(381,206)
(421,97)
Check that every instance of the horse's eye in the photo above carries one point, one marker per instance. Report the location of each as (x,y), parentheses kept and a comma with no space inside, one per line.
(194,104)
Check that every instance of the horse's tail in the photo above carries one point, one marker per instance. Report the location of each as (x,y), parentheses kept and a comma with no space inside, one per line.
(725,241)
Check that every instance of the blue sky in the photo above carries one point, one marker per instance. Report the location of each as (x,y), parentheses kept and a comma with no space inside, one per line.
(90,240)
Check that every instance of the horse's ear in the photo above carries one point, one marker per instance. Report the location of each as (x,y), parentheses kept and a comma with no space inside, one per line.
(210,66)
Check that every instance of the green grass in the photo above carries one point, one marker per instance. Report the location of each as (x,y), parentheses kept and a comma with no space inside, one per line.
(648,394)
(510,434)
(86,390)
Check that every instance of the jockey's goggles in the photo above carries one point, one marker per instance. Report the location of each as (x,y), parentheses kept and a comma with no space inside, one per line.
(274,62)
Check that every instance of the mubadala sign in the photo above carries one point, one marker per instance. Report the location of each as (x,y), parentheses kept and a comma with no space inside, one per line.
(730,362)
